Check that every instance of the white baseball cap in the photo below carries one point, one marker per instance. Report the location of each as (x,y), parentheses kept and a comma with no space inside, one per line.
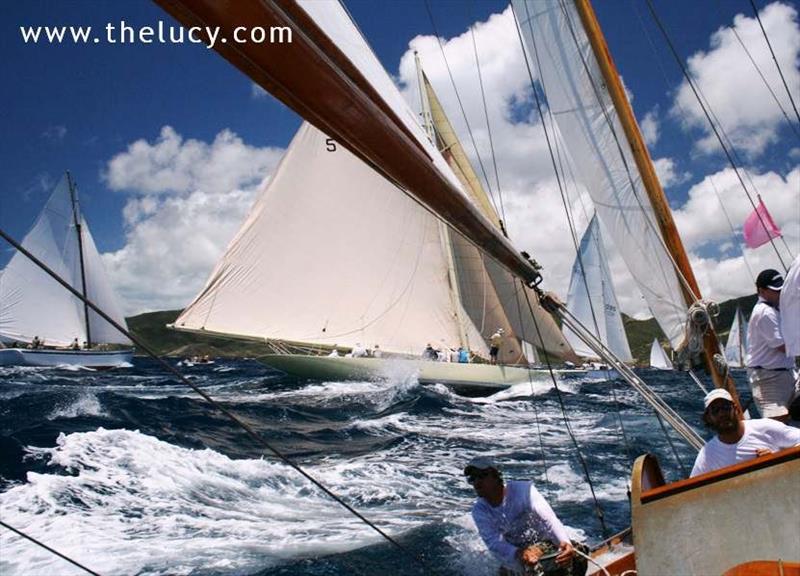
(716,394)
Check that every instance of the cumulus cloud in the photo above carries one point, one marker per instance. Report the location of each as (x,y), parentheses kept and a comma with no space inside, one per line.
(650,127)
(668,174)
(732,86)
(187,199)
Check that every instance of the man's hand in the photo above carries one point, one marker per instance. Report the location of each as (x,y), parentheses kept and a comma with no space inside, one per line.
(529,556)
(763,451)
(565,553)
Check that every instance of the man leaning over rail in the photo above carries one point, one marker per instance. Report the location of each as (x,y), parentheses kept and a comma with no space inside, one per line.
(738,440)
(518,526)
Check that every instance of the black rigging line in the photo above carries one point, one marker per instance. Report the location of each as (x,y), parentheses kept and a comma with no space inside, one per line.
(51,550)
(710,121)
(243,425)
(489,131)
(461,106)
(777,65)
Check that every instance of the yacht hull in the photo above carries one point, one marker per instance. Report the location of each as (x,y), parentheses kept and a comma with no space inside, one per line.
(84,358)
(477,377)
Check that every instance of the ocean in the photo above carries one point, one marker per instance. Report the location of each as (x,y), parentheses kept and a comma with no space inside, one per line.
(129,472)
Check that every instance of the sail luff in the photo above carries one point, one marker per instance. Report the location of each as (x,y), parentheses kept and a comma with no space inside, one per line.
(314,77)
(658,201)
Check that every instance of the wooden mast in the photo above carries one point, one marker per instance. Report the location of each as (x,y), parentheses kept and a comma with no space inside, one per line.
(655,193)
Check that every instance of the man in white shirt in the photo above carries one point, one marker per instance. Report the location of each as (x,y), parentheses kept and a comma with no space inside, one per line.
(790,309)
(768,368)
(514,520)
(738,440)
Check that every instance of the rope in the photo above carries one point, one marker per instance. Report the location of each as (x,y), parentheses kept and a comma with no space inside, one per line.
(777,65)
(698,322)
(672,446)
(710,121)
(598,508)
(235,419)
(51,550)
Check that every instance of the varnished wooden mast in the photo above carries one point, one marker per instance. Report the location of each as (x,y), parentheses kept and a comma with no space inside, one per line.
(669,231)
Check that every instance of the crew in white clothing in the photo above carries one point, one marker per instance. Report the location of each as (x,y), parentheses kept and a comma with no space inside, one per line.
(790,309)
(514,520)
(738,440)
(768,368)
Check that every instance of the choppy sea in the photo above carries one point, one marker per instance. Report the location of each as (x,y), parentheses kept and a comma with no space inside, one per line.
(131,473)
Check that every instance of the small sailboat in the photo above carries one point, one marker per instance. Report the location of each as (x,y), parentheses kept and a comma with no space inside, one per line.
(592,301)
(736,347)
(43,324)
(658,357)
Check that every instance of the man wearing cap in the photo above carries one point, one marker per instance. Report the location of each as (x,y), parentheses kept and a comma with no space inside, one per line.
(738,440)
(495,342)
(516,523)
(768,368)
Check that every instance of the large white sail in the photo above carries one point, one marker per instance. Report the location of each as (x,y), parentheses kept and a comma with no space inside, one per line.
(736,347)
(658,357)
(333,253)
(33,304)
(595,308)
(576,94)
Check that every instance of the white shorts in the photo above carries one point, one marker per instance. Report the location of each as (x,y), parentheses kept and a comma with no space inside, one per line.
(773,390)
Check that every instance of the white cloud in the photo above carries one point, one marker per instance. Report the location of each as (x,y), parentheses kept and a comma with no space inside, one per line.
(55,133)
(257,92)
(727,79)
(667,173)
(650,127)
(188,198)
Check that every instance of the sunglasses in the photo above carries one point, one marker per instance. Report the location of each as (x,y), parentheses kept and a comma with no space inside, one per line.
(475,476)
(720,408)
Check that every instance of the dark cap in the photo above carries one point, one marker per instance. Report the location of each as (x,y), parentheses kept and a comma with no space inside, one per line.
(479,463)
(770,279)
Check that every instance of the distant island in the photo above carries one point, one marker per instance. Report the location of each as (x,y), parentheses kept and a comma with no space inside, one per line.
(151,328)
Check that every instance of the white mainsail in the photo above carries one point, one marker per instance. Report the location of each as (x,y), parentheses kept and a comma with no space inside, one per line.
(589,125)
(597,308)
(33,304)
(333,253)
(736,347)
(658,357)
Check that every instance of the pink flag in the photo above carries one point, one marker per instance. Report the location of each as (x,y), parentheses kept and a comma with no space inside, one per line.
(759,228)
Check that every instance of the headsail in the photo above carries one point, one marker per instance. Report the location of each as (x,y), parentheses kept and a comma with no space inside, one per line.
(596,309)
(491,295)
(590,126)
(33,304)
(374,256)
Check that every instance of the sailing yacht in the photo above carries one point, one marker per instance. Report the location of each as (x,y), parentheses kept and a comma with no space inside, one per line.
(658,357)
(43,324)
(692,526)
(736,347)
(592,301)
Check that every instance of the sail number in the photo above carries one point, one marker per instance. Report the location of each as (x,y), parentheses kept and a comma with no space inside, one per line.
(330,145)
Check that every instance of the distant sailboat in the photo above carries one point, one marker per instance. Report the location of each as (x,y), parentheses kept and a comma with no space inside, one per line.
(35,309)
(658,357)
(592,301)
(736,347)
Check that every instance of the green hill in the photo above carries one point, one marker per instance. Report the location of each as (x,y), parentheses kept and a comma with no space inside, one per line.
(151,328)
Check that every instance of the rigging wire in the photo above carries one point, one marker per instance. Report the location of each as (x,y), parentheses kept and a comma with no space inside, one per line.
(489,131)
(461,106)
(775,59)
(49,549)
(725,149)
(230,415)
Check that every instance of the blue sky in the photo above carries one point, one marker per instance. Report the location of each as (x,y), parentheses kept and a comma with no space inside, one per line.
(82,108)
